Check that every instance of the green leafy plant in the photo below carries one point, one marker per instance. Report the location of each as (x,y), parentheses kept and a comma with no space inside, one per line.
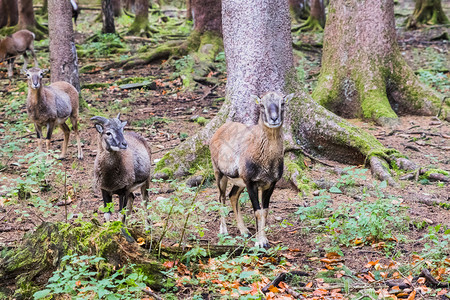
(78,278)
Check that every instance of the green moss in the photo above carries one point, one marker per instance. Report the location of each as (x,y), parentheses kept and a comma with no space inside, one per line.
(167,171)
(297,166)
(201,121)
(434,171)
(94,85)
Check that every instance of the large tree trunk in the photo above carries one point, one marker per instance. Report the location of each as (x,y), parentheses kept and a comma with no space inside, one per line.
(258,48)
(207,16)
(316,19)
(427,12)
(140,23)
(26,14)
(63,54)
(363,73)
(108,17)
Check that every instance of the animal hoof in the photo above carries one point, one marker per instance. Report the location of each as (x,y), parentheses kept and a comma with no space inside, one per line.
(262,243)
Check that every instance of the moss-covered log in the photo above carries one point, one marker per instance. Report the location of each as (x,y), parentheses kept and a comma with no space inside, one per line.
(363,73)
(29,266)
(428,12)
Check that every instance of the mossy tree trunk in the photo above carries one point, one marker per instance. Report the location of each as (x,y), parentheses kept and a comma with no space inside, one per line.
(63,54)
(188,10)
(363,74)
(428,12)
(140,23)
(316,19)
(258,48)
(27,19)
(108,17)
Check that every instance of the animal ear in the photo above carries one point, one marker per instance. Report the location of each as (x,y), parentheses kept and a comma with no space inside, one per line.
(118,116)
(124,123)
(289,97)
(256,98)
(99,128)
(24,71)
(43,71)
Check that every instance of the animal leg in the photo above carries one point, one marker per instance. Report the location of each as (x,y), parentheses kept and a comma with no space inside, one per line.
(260,215)
(222,184)
(25,61)
(50,127)
(234,198)
(39,136)
(66,131)
(107,198)
(144,192)
(10,67)
(129,206)
(74,120)
(36,64)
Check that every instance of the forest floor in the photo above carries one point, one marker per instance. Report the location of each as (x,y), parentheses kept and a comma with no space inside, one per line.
(352,235)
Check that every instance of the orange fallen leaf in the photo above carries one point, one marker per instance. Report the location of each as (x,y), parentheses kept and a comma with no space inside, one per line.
(371,263)
(421,280)
(412,296)
(141,241)
(442,292)
(274,289)
(309,284)
(320,292)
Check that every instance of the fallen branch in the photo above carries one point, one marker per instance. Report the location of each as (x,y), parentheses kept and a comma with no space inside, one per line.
(149,292)
(433,281)
(282,277)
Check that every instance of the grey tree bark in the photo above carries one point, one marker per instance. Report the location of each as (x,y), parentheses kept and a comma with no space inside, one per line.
(108,17)
(363,73)
(63,54)
(258,50)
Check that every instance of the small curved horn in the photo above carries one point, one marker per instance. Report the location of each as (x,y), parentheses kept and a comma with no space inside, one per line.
(101,120)
(118,116)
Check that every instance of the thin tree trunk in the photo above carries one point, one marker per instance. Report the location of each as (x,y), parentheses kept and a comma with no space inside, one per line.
(363,73)
(63,54)
(3,15)
(427,12)
(258,48)
(188,10)
(117,8)
(11,12)
(108,17)
(140,23)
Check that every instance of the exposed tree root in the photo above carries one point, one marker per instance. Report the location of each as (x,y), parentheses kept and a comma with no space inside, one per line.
(311,24)
(161,52)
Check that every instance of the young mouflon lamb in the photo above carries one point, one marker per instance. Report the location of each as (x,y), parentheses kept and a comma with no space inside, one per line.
(122,164)
(17,44)
(51,106)
(250,157)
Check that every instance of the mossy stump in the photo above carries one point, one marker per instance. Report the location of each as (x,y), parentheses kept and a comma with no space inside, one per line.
(29,266)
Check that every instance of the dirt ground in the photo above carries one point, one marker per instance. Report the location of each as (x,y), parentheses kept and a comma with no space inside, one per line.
(425,140)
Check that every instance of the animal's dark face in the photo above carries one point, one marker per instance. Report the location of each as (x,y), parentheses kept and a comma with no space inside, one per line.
(111,132)
(34,77)
(272,109)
